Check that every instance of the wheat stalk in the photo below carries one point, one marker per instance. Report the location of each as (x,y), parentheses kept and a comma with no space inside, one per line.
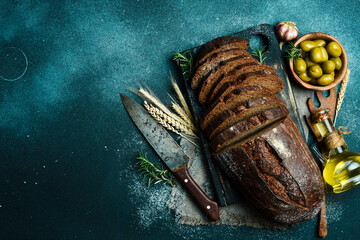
(169,123)
(179,111)
(341,94)
(185,108)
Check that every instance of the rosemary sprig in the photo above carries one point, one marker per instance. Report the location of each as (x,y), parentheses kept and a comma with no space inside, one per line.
(293,52)
(260,53)
(153,171)
(183,61)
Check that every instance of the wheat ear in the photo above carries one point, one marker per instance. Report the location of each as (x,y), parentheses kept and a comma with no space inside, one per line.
(167,122)
(148,95)
(182,100)
(168,119)
(180,111)
(341,94)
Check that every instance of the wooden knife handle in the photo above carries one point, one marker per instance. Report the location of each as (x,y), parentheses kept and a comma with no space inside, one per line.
(323,222)
(208,206)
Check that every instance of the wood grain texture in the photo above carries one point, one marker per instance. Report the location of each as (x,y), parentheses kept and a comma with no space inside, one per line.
(208,206)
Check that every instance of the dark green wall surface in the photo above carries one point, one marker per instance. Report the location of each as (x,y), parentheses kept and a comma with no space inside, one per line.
(67,146)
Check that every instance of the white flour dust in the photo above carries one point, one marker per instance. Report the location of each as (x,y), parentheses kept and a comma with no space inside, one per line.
(150,201)
(334,211)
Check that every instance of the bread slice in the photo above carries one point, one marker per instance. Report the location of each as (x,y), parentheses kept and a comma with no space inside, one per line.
(214,63)
(277,173)
(218,45)
(272,83)
(211,81)
(235,97)
(231,116)
(232,76)
(216,52)
(243,129)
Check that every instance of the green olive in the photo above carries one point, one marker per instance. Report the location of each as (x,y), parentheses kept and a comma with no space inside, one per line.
(333,73)
(304,76)
(328,66)
(306,46)
(333,49)
(315,71)
(324,54)
(325,79)
(313,81)
(308,62)
(316,55)
(320,42)
(338,62)
(299,65)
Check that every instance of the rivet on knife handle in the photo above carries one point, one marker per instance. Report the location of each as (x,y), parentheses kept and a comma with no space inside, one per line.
(209,207)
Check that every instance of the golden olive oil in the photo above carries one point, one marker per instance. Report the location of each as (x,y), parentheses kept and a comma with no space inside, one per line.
(342,171)
(341,167)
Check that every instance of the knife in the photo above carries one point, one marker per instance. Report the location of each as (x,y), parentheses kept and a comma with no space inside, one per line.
(171,153)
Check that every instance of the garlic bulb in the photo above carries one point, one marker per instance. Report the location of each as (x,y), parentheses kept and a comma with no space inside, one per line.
(286,31)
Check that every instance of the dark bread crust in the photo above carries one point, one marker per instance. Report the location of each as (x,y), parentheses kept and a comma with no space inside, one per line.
(236,96)
(277,173)
(243,129)
(232,115)
(231,78)
(213,64)
(216,76)
(220,44)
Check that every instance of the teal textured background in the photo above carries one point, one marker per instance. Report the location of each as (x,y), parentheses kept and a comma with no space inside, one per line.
(67,146)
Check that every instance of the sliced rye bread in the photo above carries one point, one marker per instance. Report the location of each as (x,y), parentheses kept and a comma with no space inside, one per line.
(214,63)
(277,173)
(246,128)
(231,116)
(220,44)
(232,76)
(237,96)
(211,81)
(271,82)
(216,52)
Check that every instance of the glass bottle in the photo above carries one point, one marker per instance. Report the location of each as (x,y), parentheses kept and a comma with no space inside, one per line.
(341,167)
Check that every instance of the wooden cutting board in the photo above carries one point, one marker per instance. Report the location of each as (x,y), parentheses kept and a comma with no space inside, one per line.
(226,193)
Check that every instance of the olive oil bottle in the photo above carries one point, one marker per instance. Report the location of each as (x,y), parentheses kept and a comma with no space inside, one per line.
(341,167)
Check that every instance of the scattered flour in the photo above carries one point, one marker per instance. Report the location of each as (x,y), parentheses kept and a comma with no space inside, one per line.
(334,211)
(150,202)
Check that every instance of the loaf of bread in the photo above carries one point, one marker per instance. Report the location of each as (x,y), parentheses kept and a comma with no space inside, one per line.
(277,173)
(253,140)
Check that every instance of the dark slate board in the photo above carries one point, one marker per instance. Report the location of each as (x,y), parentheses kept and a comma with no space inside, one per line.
(225,191)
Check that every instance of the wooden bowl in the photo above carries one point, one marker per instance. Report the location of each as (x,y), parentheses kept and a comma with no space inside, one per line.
(340,74)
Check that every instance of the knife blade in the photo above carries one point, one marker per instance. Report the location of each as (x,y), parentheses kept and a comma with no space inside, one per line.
(171,154)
